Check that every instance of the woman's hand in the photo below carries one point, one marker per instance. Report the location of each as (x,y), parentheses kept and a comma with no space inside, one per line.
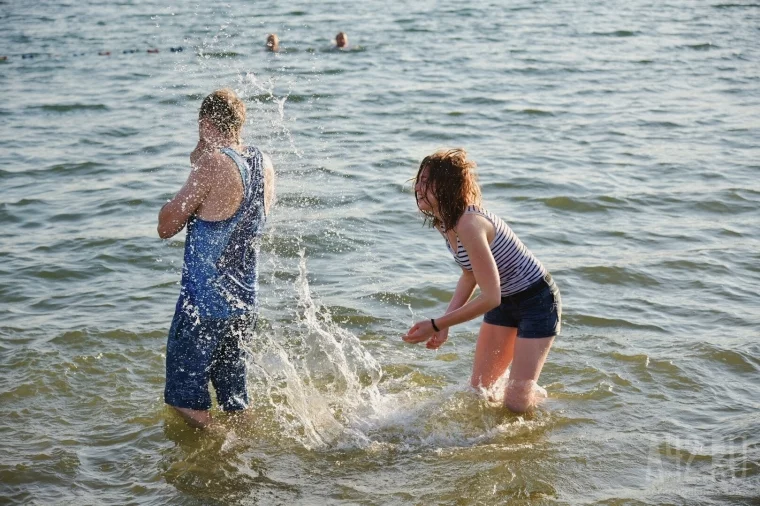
(422,331)
(437,340)
(419,332)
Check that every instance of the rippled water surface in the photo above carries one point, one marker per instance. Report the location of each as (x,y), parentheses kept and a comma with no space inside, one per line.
(618,139)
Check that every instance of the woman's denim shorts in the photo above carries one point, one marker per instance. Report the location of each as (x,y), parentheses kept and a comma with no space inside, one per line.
(535,312)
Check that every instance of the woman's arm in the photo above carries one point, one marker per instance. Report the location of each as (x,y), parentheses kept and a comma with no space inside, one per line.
(473,233)
(462,293)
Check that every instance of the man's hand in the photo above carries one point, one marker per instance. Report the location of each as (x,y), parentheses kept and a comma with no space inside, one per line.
(201,149)
(175,213)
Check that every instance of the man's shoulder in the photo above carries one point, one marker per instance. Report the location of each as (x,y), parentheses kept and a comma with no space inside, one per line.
(213,161)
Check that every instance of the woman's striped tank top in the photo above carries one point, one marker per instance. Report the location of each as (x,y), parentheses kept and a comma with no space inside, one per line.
(518,268)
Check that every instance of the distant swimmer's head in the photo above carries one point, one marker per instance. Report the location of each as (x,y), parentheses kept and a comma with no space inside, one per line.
(221,116)
(273,42)
(446,183)
(341,40)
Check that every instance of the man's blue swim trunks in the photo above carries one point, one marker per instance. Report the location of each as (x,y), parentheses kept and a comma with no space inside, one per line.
(199,351)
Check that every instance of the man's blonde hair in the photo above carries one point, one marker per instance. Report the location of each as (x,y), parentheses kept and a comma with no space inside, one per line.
(225,110)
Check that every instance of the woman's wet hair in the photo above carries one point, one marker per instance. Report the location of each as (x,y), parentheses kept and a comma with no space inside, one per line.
(453,181)
(225,110)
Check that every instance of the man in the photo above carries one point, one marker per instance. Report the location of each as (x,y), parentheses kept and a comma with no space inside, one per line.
(341,40)
(224,204)
(273,43)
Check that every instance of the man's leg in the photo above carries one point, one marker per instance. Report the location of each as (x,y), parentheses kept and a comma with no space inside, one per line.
(188,359)
(229,369)
(194,417)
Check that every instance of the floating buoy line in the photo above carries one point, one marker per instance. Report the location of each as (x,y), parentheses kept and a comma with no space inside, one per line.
(32,56)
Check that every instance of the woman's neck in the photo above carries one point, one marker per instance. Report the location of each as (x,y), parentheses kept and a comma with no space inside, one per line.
(436,213)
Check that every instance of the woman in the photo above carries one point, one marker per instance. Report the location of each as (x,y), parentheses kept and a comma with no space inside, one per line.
(521,303)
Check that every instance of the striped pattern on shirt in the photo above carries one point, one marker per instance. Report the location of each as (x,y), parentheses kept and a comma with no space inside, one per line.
(518,268)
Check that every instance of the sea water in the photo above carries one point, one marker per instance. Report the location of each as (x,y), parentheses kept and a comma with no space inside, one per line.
(619,140)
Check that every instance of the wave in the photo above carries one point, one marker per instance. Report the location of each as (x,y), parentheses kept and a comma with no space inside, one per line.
(64,108)
(585,320)
(739,361)
(615,275)
(617,33)
(292,98)
(701,47)
(736,6)
(218,54)
(583,205)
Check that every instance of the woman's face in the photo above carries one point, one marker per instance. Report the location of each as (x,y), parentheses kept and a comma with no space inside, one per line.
(424,193)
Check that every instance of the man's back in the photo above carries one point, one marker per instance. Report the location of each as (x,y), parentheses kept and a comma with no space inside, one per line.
(220,277)
(226,191)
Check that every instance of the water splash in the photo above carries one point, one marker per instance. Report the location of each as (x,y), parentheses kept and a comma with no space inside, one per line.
(318,377)
(327,392)
(264,91)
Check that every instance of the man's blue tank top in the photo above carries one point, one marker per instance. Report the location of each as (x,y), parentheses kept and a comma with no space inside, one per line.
(220,273)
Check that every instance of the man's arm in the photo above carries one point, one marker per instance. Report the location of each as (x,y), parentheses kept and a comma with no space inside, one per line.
(175,213)
(268,183)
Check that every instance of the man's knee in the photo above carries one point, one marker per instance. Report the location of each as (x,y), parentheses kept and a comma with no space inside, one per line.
(521,396)
(196,418)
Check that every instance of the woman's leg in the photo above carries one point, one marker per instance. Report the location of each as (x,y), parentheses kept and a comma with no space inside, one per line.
(493,354)
(529,358)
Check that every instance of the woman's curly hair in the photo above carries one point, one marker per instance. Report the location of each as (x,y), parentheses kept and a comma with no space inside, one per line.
(451,176)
